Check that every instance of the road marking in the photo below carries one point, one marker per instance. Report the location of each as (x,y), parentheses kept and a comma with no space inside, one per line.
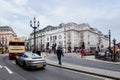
(13,62)
(9,71)
(0,66)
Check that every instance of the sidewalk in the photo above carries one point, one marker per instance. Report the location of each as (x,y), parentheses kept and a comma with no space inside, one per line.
(92,58)
(79,68)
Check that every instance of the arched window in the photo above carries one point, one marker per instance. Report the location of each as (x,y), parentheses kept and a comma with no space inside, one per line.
(47,38)
(60,37)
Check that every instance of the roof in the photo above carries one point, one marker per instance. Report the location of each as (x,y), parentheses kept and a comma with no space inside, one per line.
(2,28)
(6,27)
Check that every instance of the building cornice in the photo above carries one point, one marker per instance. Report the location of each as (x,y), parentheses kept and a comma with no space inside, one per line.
(62,26)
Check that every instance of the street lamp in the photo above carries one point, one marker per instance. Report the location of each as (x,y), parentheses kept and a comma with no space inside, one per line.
(109,41)
(114,42)
(34,26)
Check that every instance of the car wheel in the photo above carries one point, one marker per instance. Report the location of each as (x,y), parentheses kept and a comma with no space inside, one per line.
(10,58)
(16,61)
(24,65)
(44,67)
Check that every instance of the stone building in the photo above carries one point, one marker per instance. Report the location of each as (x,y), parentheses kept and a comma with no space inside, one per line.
(70,36)
(5,33)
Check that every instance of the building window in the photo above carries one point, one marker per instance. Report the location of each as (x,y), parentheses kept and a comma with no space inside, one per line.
(50,37)
(47,38)
(68,28)
(88,43)
(88,36)
(60,37)
(81,35)
(54,37)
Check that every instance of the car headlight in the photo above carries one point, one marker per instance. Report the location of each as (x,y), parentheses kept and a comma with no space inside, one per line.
(43,58)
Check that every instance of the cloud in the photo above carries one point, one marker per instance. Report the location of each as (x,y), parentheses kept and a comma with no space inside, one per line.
(10,16)
(18,13)
(103,18)
(20,2)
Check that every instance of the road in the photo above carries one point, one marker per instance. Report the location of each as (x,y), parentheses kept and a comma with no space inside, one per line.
(11,71)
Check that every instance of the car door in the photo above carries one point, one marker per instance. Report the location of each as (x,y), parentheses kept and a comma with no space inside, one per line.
(22,58)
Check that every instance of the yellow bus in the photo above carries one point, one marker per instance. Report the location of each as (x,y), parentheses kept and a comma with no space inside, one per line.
(16,47)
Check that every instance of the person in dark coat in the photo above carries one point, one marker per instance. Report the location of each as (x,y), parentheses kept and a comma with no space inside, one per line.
(59,54)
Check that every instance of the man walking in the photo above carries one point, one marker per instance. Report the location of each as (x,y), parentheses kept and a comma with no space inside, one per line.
(59,54)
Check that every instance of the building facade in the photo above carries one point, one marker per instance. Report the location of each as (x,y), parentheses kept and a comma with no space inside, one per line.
(5,33)
(70,36)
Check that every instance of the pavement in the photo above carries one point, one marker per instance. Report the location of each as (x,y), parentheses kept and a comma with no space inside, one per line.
(92,58)
(95,71)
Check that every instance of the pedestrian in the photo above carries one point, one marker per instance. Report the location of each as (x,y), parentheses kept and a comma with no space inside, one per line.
(59,54)
(77,51)
(117,55)
(82,51)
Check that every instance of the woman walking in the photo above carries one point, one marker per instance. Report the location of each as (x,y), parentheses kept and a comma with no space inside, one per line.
(82,52)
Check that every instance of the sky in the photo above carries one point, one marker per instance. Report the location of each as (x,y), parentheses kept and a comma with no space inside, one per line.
(100,14)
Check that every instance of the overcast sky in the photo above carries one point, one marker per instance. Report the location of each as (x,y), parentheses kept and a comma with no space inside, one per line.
(100,14)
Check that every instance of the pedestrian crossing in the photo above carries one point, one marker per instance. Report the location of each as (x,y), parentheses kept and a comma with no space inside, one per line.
(0,66)
(9,71)
(13,62)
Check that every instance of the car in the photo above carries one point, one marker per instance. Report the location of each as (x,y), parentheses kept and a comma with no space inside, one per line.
(30,60)
(102,54)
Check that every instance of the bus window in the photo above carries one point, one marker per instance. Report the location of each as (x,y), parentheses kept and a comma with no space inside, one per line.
(17,43)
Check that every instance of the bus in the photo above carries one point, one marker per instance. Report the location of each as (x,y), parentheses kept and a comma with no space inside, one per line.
(16,47)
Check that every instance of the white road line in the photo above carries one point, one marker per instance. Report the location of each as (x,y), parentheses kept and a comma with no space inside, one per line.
(13,62)
(0,66)
(9,71)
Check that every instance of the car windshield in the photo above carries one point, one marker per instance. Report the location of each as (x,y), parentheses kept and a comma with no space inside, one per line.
(32,55)
(23,55)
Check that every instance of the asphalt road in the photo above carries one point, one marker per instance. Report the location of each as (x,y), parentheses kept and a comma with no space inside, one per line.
(49,73)
(94,64)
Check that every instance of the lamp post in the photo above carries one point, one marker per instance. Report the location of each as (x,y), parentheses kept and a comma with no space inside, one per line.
(114,42)
(34,26)
(109,41)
